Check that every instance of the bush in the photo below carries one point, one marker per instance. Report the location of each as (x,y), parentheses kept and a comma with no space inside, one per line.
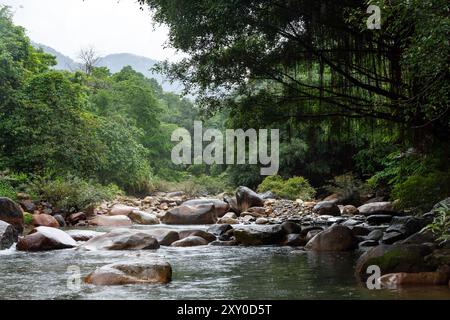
(348,187)
(11,183)
(71,192)
(27,218)
(420,192)
(441,224)
(294,188)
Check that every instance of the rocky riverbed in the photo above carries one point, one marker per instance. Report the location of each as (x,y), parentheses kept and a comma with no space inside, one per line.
(136,231)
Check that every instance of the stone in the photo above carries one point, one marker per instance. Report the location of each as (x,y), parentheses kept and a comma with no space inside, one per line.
(369,243)
(350,210)
(395,280)
(60,219)
(336,238)
(122,239)
(6,235)
(393,259)
(11,213)
(402,227)
(438,257)
(291,227)
(328,208)
(262,221)
(294,240)
(255,235)
(165,237)
(350,223)
(144,218)
(190,242)
(45,220)
(232,202)
(306,230)
(219,229)
(111,221)
(27,205)
(197,233)
(229,243)
(220,207)
(83,235)
(228,220)
(121,210)
(74,218)
(375,235)
(311,234)
(360,231)
(378,219)
(45,239)
(151,272)
(374,208)
(247,198)
(191,215)
(257,211)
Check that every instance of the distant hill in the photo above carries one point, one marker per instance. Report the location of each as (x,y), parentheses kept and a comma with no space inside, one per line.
(115,63)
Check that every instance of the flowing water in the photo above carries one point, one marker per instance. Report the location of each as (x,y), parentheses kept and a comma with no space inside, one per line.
(200,273)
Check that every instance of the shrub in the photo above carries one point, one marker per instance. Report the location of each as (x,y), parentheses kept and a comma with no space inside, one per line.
(293,188)
(71,192)
(441,224)
(348,187)
(27,218)
(420,192)
(6,190)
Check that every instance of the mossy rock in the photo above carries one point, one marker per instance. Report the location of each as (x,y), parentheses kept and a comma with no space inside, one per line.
(438,258)
(394,259)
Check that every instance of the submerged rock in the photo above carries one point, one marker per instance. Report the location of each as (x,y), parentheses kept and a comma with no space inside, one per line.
(156,271)
(395,280)
(197,233)
(122,239)
(12,213)
(336,238)
(46,239)
(165,237)
(6,235)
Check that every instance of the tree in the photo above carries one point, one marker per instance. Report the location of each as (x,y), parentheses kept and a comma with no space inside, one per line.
(89,59)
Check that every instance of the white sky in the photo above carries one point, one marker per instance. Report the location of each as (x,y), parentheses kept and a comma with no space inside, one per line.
(110,26)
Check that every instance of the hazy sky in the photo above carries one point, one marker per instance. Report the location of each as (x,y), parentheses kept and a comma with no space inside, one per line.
(111,26)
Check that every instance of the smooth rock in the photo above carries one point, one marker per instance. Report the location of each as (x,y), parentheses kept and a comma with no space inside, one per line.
(122,239)
(255,235)
(121,210)
(291,227)
(83,235)
(143,218)
(395,280)
(165,237)
(247,198)
(6,235)
(220,207)
(75,218)
(219,229)
(262,221)
(45,239)
(378,219)
(45,220)
(375,235)
(190,242)
(336,238)
(374,208)
(191,215)
(328,208)
(197,233)
(350,210)
(12,213)
(156,271)
(61,220)
(294,240)
(111,221)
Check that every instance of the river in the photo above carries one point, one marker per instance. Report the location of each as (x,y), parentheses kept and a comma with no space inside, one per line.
(200,273)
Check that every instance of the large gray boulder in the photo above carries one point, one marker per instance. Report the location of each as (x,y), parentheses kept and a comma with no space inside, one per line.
(336,238)
(247,198)
(220,207)
(122,239)
(12,213)
(46,239)
(377,208)
(6,235)
(191,215)
(255,235)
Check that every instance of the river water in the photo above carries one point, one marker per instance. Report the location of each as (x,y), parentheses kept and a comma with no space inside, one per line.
(200,273)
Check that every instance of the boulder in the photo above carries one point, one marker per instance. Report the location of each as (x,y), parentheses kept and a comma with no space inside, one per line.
(360,231)
(111,221)
(220,207)
(122,239)
(83,235)
(165,237)
(45,239)
(402,227)
(45,220)
(11,213)
(311,234)
(121,210)
(393,259)
(336,238)
(190,242)
(395,280)
(426,236)
(262,221)
(439,257)
(74,218)
(197,233)
(247,198)
(368,244)
(219,229)
(6,235)
(294,240)
(291,227)
(373,208)
(255,235)
(191,215)
(350,210)
(375,235)
(378,219)
(27,205)
(328,208)
(151,272)
(232,202)
(61,220)
(307,229)
(143,218)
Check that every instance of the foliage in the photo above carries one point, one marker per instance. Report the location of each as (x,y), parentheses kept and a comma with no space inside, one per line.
(71,193)
(348,187)
(293,188)
(420,192)
(441,224)
(27,218)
